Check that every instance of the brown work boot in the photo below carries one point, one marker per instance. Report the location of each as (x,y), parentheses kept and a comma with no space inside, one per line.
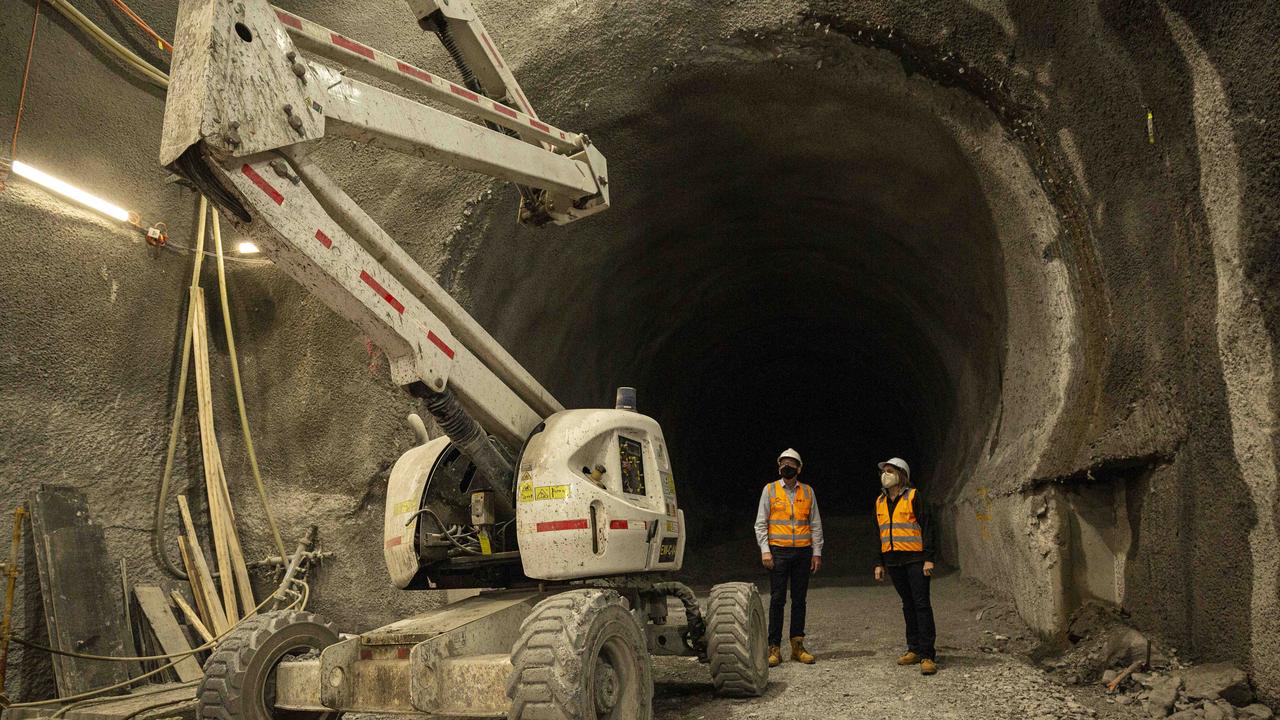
(775,656)
(909,659)
(928,667)
(799,653)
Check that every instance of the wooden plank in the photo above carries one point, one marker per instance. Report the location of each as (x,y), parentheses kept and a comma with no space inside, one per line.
(217,617)
(212,456)
(81,594)
(156,607)
(193,578)
(193,618)
(243,584)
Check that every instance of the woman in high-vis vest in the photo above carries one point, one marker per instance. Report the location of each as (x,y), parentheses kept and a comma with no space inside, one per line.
(906,555)
(789,533)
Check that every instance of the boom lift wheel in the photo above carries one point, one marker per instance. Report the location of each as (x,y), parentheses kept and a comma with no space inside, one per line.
(581,656)
(736,640)
(239,677)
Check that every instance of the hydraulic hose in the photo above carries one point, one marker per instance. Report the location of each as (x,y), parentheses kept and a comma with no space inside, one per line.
(493,467)
(696,634)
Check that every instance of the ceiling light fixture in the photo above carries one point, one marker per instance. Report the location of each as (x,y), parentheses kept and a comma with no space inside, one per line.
(74,193)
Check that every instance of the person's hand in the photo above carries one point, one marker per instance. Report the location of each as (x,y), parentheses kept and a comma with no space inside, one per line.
(767,559)
(879,573)
(928,569)
(815,564)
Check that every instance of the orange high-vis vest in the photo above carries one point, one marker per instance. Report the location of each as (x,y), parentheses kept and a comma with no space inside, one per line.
(789,522)
(902,531)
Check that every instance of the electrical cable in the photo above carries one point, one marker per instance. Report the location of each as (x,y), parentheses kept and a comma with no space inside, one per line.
(22,95)
(142,24)
(235,376)
(157,530)
(146,69)
(96,692)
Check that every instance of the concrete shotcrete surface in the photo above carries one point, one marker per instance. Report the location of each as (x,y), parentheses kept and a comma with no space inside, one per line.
(1028,246)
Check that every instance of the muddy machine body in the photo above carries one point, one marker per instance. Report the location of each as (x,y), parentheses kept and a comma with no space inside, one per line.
(569,517)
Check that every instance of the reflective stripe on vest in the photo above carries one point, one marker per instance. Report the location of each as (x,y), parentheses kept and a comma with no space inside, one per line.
(900,532)
(789,522)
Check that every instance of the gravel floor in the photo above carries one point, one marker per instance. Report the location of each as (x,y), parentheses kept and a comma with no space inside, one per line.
(856,633)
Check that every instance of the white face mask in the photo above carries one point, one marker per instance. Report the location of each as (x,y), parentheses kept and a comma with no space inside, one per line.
(888,479)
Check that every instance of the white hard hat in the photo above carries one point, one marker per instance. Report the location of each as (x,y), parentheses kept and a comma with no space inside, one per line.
(789,453)
(898,463)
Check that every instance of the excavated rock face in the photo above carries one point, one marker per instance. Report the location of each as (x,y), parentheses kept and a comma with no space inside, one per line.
(1026,246)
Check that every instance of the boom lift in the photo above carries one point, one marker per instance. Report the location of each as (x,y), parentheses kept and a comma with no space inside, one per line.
(581,600)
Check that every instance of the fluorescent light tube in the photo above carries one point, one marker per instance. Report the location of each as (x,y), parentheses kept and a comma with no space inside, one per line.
(69,191)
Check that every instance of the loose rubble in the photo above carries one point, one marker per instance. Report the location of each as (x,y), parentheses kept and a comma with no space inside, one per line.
(1142,673)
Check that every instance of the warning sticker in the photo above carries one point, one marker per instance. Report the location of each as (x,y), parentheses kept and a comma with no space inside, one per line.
(406,506)
(526,491)
(672,526)
(551,492)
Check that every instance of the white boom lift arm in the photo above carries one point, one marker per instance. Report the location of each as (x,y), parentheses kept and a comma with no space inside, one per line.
(246,101)
(591,494)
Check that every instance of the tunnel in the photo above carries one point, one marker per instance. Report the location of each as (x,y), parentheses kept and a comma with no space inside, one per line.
(1028,247)
(808,262)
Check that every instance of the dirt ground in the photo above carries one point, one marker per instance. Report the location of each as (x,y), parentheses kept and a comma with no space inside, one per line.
(856,633)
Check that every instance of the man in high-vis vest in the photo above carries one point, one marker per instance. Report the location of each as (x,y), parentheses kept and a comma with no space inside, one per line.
(789,533)
(906,555)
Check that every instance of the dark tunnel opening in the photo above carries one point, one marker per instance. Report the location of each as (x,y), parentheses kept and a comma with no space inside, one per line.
(785,266)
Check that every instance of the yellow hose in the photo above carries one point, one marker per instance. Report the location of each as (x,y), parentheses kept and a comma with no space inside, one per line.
(235,375)
(111,44)
(157,531)
(300,602)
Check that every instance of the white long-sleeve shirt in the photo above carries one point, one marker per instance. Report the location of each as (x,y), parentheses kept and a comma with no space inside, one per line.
(762,518)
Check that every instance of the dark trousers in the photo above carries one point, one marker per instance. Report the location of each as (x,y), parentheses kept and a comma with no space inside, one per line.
(913,587)
(790,568)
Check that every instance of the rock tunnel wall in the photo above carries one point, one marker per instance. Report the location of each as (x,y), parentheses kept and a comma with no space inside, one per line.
(946,231)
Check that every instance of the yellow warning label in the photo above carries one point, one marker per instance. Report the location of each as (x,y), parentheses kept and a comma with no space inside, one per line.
(551,492)
(529,493)
(485,547)
(672,526)
(407,506)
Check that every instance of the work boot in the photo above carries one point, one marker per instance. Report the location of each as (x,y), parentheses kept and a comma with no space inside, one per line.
(775,656)
(928,667)
(909,659)
(798,652)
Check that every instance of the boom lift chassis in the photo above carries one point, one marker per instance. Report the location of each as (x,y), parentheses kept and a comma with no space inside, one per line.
(249,96)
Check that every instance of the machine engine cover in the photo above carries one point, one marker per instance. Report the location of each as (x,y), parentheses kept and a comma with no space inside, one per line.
(569,526)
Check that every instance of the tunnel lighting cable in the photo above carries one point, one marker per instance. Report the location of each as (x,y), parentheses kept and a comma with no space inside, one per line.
(235,376)
(146,69)
(96,692)
(129,13)
(22,94)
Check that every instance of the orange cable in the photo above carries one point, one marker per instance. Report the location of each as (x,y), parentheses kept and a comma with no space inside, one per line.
(129,13)
(22,96)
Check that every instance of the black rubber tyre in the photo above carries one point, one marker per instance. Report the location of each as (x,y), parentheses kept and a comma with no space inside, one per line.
(737,642)
(581,656)
(239,677)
